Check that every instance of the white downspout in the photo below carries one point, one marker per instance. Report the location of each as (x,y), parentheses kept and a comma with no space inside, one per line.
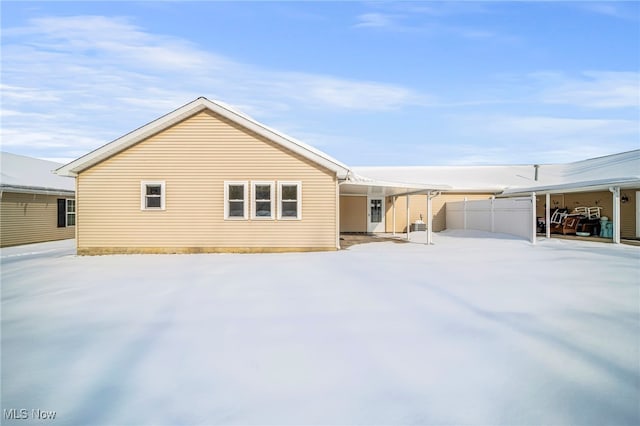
(429,218)
(534,221)
(394,214)
(616,214)
(337,214)
(547,216)
(408,218)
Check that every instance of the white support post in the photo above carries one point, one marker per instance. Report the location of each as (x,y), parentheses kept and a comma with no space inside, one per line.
(394,214)
(493,213)
(616,214)
(547,216)
(429,218)
(534,221)
(465,214)
(408,218)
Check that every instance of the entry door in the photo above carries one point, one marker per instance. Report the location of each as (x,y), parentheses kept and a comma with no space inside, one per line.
(375,214)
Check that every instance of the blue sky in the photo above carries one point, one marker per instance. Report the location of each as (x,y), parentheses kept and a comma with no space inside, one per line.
(370,83)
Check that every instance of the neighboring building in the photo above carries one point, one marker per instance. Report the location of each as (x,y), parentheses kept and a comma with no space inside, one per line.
(35,204)
(206,178)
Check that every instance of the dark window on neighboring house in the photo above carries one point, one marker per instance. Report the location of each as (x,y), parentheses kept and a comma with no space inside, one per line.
(66,212)
(62,212)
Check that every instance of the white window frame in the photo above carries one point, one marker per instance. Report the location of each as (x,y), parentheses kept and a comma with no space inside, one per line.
(66,212)
(254,200)
(245,200)
(299,200)
(143,194)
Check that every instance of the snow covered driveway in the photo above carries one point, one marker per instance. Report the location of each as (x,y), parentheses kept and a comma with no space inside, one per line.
(472,330)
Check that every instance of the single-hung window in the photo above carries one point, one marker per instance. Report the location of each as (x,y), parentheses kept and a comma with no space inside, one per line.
(235,200)
(290,195)
(262,200)
(71,212)
(152,195)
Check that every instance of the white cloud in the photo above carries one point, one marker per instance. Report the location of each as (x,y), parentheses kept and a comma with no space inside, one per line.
(594,89)
(375,20)
(559,128)
(421,19)
(104,76)
(358,95)
(626,10)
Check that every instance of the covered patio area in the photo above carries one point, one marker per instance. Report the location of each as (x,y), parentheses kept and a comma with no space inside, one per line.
(364,206)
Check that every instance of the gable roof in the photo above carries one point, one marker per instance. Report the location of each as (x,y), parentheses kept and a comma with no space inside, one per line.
(19,173)
(188,110)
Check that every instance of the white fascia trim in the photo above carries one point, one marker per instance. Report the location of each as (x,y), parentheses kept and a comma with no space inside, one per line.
(130,139)
(200,104)
(286,141)
(272,193)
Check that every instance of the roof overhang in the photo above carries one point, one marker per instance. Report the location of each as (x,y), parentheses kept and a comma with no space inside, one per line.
(188,110)
(585,186)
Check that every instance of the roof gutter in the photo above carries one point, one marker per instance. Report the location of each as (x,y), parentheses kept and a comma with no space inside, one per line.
(35,190)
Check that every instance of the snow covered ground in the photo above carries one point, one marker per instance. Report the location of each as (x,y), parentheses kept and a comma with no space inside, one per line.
(476,329)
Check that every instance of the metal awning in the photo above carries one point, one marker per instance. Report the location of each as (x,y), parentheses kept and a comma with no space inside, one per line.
(387,189)
(571,187)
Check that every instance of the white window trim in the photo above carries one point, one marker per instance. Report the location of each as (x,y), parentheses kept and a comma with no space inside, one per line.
(299,200)
(143,195)
(66,212)
(245,199)
(272,192)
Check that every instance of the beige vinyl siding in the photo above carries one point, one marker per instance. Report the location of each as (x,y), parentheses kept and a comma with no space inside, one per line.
(353,213)
(602,199)
(628,214)
(31,218)
(418,205)
(557,201)
(194,158)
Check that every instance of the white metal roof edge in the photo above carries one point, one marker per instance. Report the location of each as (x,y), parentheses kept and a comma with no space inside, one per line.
(193,107)
(575,186)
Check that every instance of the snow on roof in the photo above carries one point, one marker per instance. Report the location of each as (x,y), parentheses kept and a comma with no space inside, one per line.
(458,178)
(28,174)
(188,110)
(617,168)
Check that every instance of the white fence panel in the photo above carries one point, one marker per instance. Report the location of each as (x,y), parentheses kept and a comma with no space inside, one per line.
(479,215)
(513,216)
(455,214)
